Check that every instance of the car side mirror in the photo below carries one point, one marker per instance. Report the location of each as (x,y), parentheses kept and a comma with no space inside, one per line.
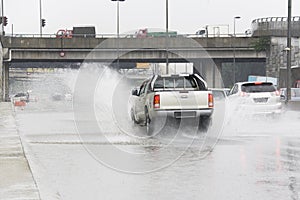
(135,92)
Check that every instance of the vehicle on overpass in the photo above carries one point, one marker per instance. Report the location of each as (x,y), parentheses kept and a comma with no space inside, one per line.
(171,96)
(144,33)
(64,33)
(214,31)
(84,31)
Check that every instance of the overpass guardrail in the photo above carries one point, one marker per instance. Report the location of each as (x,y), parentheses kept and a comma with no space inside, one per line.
(186,35)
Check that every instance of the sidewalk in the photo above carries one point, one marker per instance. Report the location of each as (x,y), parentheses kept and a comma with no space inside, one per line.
(16,180)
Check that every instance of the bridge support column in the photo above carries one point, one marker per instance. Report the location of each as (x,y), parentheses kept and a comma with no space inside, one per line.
(218,80)
(210,71)
(6,82)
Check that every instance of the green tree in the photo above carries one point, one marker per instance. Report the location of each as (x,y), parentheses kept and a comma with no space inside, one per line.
(262,44)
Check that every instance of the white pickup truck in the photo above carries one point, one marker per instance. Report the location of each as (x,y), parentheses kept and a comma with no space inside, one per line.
(175,96)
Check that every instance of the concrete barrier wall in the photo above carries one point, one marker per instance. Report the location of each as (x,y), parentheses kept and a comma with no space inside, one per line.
(275,26)
(29,49)
(135,43)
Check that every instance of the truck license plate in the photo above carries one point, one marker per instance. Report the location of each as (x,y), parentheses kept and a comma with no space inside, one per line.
(189,114)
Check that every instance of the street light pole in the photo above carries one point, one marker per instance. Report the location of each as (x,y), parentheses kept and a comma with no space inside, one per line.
(234,36)
(167,37)
(2,15)
(289,55)
(118,19)
(41,28)
(118,30)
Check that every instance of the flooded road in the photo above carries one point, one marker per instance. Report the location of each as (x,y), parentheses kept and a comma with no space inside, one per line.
(72,159)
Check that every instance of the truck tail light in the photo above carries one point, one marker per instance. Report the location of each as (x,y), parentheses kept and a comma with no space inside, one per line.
(210,101)
(156,101)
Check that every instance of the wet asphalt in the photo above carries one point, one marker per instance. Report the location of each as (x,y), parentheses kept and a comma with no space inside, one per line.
(75,156)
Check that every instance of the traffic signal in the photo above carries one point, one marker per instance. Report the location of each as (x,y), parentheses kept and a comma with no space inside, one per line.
(4,21)
(43,22)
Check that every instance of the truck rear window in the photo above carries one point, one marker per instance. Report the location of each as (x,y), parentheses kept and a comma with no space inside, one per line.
(258,87)
(178,82)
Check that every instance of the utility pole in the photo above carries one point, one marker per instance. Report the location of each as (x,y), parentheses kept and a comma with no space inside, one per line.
(2,17)
(234,36)
(41,28)
(167,37)
(289,55)
(118,32)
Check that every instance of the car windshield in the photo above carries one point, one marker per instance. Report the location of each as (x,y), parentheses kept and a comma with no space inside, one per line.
(258,87)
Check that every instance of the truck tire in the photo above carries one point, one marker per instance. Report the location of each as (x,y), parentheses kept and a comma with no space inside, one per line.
(205,123)
(148,124)
(133,117)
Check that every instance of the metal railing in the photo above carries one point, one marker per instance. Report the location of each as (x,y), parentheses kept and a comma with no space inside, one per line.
(275,19)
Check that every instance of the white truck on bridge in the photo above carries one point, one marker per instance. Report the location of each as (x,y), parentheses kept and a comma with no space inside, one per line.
(174,96)
(221,30)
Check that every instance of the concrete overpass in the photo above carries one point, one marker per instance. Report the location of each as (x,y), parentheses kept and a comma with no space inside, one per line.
(130,49)
(275,26)
(206,53)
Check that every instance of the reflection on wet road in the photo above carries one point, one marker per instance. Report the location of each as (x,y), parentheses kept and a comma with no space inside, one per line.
(250,159)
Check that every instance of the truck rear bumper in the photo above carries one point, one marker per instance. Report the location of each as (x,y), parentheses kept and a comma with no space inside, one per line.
(182,114)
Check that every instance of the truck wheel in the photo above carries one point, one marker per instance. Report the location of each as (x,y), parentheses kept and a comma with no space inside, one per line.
(148,123)
(205,123)
(133,117)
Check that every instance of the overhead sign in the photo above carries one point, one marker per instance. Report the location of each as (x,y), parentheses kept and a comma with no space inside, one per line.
(142,65)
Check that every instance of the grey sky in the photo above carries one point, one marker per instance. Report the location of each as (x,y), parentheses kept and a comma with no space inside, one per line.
(184,16)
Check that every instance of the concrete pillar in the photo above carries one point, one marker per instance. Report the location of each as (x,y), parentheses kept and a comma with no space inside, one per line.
(6,82)
(198,67)
(210,71)
(1,74)
(213,73)
(218,81)
(4,86)
(208,66)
